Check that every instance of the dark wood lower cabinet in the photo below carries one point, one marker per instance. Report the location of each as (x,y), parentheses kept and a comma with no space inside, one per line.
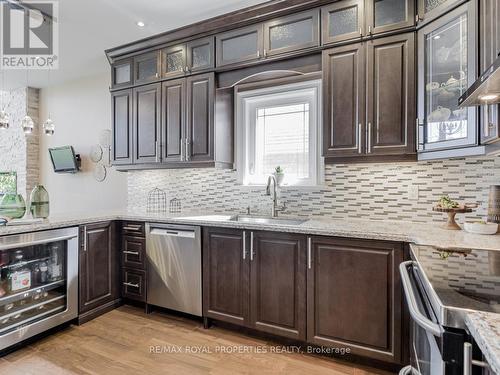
(354,297)
(278,284)
(98,270)
(225,275)
(327,291)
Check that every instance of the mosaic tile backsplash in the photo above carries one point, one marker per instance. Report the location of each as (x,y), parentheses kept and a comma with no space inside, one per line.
(368,191)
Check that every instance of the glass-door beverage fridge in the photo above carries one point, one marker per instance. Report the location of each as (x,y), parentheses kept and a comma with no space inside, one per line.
(38,283)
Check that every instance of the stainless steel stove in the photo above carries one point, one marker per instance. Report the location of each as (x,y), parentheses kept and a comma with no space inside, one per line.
(441,286)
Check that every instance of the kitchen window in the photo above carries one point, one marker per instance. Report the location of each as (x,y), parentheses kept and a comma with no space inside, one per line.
(278,126)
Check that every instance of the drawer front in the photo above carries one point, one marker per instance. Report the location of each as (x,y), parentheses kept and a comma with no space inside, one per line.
(134,284)
(133,228)
(133,252)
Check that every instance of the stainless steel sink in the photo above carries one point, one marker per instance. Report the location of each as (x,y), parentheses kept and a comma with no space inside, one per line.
(267,220)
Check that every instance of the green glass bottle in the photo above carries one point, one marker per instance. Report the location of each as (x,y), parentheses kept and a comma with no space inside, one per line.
(39,202)
(12,206)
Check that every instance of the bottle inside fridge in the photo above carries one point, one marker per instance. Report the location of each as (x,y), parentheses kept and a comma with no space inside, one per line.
(32,284)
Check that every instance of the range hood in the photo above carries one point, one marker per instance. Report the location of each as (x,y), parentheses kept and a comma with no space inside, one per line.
(486,89)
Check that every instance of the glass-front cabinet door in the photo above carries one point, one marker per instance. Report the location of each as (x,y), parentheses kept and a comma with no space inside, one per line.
(146,67)
(200,54)
(239,45)
(342,20)
(121,73)
(388,15)
(291,33)
(431,9)
(174,63)
(446,69)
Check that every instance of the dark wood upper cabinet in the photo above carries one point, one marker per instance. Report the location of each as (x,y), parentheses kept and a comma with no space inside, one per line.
(239,45)
(343,20)
(291,33)
(225,275)
(121,73)
(344,100)
(174,62)
(432,9)
(489,50)
(278,284)
(121,108)
(388,15)
(98,266)
(200,55)
(192,57)
(173,120)
(354,297)
(147,67)
(391,103)
(369,99)
(146,123)
(200,118)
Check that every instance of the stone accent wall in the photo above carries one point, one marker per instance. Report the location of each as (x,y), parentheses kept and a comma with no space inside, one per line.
(18,151)
(371,191)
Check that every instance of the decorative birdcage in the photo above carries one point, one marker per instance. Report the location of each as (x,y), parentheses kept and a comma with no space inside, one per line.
(175,206)
(157,201)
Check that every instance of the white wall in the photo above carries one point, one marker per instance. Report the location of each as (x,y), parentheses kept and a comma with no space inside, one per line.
(80,110)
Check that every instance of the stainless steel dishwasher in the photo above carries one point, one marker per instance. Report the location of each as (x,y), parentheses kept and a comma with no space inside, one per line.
(174,267)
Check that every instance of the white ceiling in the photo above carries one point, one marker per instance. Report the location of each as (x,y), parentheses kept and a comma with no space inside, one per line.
(88,27)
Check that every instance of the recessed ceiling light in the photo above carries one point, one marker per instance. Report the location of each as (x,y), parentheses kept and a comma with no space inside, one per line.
(141,24)
(488,97)
(437,37)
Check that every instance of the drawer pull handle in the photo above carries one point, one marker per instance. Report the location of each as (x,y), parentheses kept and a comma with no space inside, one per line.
(132,285)
(133,228)
(131,252)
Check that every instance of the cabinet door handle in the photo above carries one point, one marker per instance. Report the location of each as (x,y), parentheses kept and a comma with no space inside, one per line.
(84,238)
(244,245)
(369,138)
(251,246)
(186,69)
(265,53)
(130,252)
(157,152)
(420,142)
(182,150)
(377,133)
(258,54)
(360,130)
(188,151)
(486,112)
(131,285)
(309,252)
(369,29)
(360,31)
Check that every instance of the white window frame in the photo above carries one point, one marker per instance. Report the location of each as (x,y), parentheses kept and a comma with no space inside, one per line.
(247,104)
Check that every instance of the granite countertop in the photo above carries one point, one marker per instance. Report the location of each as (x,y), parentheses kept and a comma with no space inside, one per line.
(485,328)
(418,233)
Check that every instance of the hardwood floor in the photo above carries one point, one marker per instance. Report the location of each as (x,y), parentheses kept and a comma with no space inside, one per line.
(121,342)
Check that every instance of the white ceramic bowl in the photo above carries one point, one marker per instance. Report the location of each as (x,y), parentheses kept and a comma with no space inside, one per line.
(481,228)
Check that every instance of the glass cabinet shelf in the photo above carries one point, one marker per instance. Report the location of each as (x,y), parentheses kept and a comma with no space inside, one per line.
(12,298)
(50,308)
